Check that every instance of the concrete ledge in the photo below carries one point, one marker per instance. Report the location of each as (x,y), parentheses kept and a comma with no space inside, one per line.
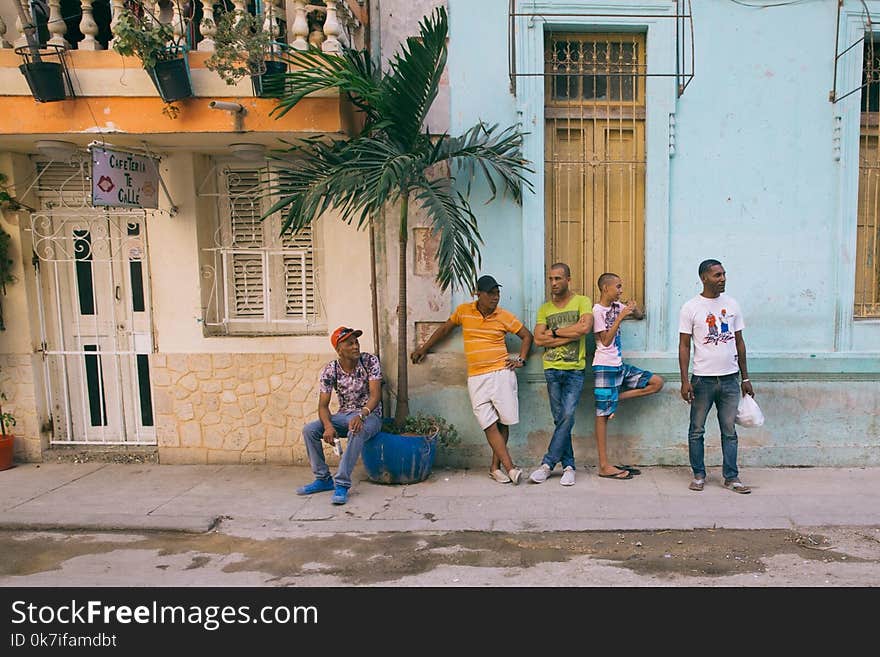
(115,522)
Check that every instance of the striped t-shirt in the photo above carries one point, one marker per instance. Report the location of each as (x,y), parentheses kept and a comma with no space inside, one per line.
(484,345)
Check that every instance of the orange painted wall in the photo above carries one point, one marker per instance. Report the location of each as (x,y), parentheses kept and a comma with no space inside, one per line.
(142,115)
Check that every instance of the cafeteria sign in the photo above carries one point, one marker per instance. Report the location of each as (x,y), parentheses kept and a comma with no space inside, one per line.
(124,180)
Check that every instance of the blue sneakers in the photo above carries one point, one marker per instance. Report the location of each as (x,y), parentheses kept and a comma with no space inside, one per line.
(317,486)
(340,495)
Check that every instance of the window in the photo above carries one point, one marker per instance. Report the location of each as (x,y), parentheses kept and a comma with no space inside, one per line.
(263,282)
(595,157)
(867,284)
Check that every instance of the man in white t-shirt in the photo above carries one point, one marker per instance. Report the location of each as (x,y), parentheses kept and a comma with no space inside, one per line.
(713,322)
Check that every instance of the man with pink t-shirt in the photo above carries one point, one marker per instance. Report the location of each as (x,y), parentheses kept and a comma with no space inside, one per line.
(614,379)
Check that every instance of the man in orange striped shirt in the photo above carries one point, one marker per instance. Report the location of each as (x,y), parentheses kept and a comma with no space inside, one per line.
(491,379)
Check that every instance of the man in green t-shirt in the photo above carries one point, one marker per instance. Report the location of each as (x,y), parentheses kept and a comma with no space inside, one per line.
(562,324)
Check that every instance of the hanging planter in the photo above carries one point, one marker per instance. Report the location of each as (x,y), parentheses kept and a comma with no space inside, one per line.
(270,84)
(243,46)
(162,54)
(171,79)
(47,79)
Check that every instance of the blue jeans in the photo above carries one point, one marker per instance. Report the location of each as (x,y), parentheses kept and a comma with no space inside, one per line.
(724,392)
(564,389)
(313,434)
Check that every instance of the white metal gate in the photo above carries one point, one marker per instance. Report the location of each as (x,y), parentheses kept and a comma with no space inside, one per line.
(93,289)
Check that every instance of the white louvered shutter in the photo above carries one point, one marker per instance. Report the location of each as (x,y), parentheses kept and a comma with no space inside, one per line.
(271,277)
(245,236)
(299,281)
(63,185)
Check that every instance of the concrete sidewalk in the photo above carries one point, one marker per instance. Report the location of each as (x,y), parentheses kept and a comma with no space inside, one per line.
(260,500)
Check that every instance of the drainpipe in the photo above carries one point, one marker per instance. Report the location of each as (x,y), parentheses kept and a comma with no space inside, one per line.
(372,44)
(374,300)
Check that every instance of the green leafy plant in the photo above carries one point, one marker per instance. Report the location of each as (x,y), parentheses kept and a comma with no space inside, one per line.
(5,269)
(6,419)
(241,47)
(146,38)
(425,425)
(7,201)
(5,261)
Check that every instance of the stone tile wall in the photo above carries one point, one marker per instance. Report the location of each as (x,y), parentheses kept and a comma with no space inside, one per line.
(235,408)
(17,383)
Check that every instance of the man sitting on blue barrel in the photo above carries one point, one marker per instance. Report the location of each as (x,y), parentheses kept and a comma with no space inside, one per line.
(357,379)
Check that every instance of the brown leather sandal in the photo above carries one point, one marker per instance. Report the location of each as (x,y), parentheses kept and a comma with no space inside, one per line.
(736,486)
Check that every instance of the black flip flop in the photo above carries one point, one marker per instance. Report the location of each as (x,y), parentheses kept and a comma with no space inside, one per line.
(629,475)
(629,469)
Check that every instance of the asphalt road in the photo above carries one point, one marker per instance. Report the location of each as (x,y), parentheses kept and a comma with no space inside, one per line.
(814,557)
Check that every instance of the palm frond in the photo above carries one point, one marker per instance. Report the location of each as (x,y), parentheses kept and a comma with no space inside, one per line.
(411,86)
(356,177)
(452,219)
(351,73)
(494,155)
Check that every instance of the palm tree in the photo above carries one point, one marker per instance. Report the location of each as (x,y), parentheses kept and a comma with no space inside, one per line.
(392,160)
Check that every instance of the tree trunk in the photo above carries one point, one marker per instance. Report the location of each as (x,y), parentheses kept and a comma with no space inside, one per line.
(402,409)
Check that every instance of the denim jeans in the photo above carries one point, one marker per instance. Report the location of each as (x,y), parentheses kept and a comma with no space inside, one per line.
(564,389)
(724,392)
(313,434)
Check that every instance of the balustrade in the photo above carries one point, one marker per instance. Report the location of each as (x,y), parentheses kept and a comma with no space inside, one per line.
(327,25)
(3,42)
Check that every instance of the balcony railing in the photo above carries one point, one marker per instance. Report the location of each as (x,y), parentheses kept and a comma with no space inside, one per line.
(89,24)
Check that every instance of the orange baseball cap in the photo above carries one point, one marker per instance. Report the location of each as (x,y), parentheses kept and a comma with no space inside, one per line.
(343,332)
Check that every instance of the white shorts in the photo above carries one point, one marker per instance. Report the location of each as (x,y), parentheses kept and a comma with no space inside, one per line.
(494,397)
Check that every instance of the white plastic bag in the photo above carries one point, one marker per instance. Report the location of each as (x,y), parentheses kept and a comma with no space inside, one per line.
(748,413)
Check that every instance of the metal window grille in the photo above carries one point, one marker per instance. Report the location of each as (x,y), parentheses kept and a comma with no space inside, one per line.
(595,157)
(525,13)
(93,291)
(867,283)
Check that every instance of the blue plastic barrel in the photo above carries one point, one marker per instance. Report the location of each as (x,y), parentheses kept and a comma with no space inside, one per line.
(394,459)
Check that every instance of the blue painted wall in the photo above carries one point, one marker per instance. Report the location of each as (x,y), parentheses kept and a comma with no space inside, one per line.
(762,175)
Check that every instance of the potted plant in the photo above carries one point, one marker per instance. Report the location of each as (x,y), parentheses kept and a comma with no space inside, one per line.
(7,439)
(45,78)
(405,454)
(243,47)
(163,56)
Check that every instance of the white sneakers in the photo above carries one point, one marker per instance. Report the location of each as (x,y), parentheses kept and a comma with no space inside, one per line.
(499,476)
(540,475)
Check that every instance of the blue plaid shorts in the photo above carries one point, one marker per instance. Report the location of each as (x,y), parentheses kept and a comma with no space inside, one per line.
(609,381)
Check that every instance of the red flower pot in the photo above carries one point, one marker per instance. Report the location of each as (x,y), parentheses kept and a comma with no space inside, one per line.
(6,442)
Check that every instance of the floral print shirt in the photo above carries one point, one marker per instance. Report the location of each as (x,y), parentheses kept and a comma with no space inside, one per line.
(352,389)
